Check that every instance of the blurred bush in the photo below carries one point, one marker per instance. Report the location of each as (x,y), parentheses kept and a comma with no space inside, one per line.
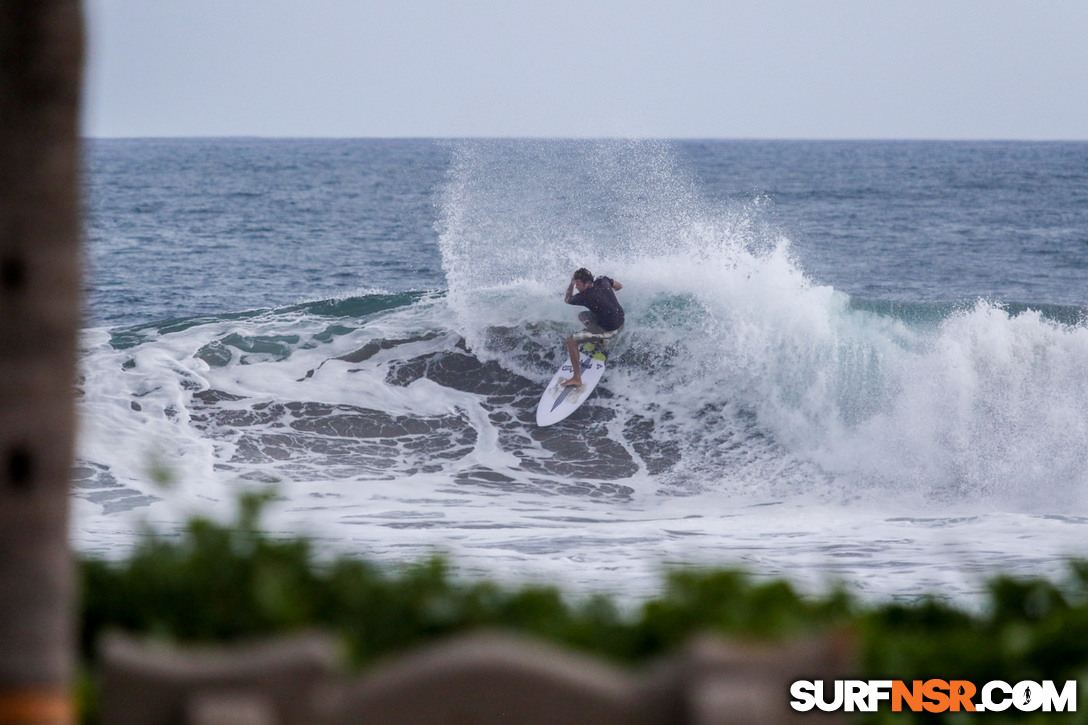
(221,582)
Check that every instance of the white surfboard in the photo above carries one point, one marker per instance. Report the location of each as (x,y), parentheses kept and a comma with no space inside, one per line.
(558,402)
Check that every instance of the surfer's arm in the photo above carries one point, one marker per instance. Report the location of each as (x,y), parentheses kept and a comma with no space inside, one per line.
(616,285)
(570,291)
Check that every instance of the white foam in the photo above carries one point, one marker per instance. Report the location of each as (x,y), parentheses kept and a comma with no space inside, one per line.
(797,434)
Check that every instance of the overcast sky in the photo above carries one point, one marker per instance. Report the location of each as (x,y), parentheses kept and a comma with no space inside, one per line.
(947,69)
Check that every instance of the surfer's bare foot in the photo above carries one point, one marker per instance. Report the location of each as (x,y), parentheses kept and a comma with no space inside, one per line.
(573,382)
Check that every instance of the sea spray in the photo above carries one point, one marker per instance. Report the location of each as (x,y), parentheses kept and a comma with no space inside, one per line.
(991,410)
(730,343)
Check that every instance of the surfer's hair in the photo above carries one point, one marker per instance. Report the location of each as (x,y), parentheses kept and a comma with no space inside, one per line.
(584,275)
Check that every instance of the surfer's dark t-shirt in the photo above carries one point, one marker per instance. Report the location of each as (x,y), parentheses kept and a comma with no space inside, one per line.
(601,301)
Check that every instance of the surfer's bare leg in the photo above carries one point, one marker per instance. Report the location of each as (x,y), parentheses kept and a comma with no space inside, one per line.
(576,379)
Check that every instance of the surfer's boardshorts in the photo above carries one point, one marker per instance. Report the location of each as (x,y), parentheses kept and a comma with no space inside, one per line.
(593,331)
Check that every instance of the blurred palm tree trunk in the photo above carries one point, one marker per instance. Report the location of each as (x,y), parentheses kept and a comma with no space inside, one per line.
(41,55)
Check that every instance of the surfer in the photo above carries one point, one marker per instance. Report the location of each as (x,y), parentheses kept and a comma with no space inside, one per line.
(602,320)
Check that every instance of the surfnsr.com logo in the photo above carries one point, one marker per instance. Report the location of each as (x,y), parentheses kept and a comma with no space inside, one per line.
(932,696)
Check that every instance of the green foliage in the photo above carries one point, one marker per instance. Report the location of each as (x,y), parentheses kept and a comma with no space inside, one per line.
(221,582)
(1030,629)
(216,582)
(731,603)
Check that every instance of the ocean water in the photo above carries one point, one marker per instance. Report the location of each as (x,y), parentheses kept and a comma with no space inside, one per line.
(858,362)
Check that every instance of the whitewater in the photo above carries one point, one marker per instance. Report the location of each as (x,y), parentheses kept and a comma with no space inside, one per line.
(802,390)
